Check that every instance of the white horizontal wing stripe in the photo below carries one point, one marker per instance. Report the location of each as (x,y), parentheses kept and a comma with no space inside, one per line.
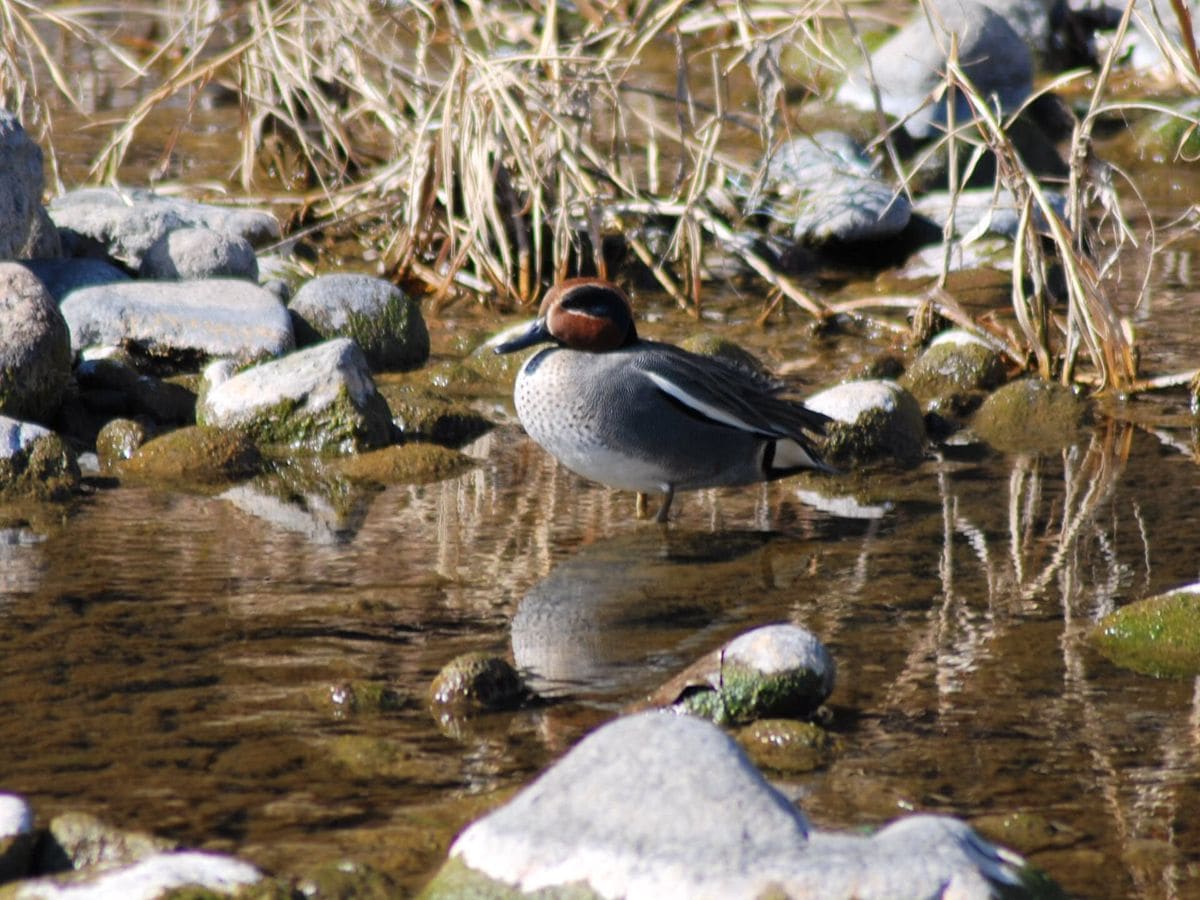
(705,409)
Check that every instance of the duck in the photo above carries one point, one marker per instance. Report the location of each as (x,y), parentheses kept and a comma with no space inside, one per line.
(647,416)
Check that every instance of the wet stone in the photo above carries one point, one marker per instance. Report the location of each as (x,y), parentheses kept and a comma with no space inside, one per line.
(35,462)
(773,671)
(359,697)
(190,253)
(983,211)
(119,440)
(419,413)
(61,276)
(79,840)
(663,805)
(786,745)
(347,879)
(875,420)
(384,321)
(1031,415)
(17,837)
(35,347)
(418,463)
(183,321)
(183,874)
(1157,636)
(478,682)
(907,67)
(195,455)
(319,400)
(21,186)
(125,224)
(953,372)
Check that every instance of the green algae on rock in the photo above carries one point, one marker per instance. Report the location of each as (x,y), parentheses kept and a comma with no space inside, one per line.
(196,455)
(478,682)
(416,463)
(786,745)
(118,440)
(419,413)
(44,468)
(954,367)
(1029,415)
(1157,636)
(874,421)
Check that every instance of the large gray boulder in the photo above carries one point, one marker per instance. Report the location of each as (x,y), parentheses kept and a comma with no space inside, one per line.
(35,346)
(321,399)
(658,805)
(181,320)
(384,321)
(21,185)
(909,66)
(125,224)
(61,276)
(199,253)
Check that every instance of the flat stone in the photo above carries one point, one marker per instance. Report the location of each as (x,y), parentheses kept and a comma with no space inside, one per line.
(35,348)
(61,276)
(907,66)
(321,399)
(181,320)
(21,186)
(125,224)
(193,253)
(658,805)
(151,878)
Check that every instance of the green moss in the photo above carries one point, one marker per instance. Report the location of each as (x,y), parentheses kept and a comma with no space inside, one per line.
(875,436)
(405,464)
(118,440)
(946,370)
(422,414)
(478,681)
(46,470)
(708,344)
(455,881)
(746,694)
(786,745)
(1031,414)
(394,337)
(195,455)
(1158,636)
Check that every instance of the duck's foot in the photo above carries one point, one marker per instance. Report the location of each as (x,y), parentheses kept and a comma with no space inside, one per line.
(663,510)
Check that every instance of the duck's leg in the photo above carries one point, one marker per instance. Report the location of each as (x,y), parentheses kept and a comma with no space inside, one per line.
(639,509)
(663,510)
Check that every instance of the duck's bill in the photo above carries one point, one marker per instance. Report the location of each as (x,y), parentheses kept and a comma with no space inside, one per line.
(536,333)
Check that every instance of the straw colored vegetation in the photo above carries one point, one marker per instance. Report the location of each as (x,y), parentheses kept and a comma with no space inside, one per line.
(485,149)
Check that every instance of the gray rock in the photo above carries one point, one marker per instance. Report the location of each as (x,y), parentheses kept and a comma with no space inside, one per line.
(822,188)
(906,67)
(125,224)
(187,253)
(953,371)
(657,805)
(1145,38)
(1034,20)
(151,878)
(321,399)
(35,462)
(35,347)
(16,837)
(61,276)
(79,840)
(772,671)
(181,320)
(43,241)
(21,186)
(384,321)
(874,420)
(980,211)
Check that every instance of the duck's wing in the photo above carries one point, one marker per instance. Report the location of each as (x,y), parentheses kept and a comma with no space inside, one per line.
(727,394)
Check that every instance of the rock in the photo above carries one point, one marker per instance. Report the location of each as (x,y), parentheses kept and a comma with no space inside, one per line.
(991,253)
(773,671)
(359,698)
(118,441)
(907,67)
(16,837)
(348,879)
(418,463)
(195,455)
(1030,415)
(1035,21)
(43,242)
(61,276)
(181,322)
(424,415)
(874,420)
(658,805)
(34,462)
(191,253)
(306,498)
(158,877)
(79,840)
(953,372)
(786,745)
(35,347)
(1156,636)
(1144,39)
(109,382)
(984,211)
(384,321)
(478,682)
(321,400)
(1170,137)
(21,186)
(125,224)
(823,188)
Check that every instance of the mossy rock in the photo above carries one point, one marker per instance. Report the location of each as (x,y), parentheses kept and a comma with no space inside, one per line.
(416,463)
(787,745)
(421,414)
(708,344)
(119,440)
(45,470)
(1169,137)
(478,682)
(347,880)
(457,881)
(1031,415)
(1158,636)
(745,694)
(941,376)
(195,455)
(358,697)
(1025,832)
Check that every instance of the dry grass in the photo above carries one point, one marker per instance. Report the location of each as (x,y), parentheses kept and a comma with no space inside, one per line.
(486,149)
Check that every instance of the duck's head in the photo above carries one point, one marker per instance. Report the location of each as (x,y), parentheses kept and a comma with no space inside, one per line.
(582,314)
